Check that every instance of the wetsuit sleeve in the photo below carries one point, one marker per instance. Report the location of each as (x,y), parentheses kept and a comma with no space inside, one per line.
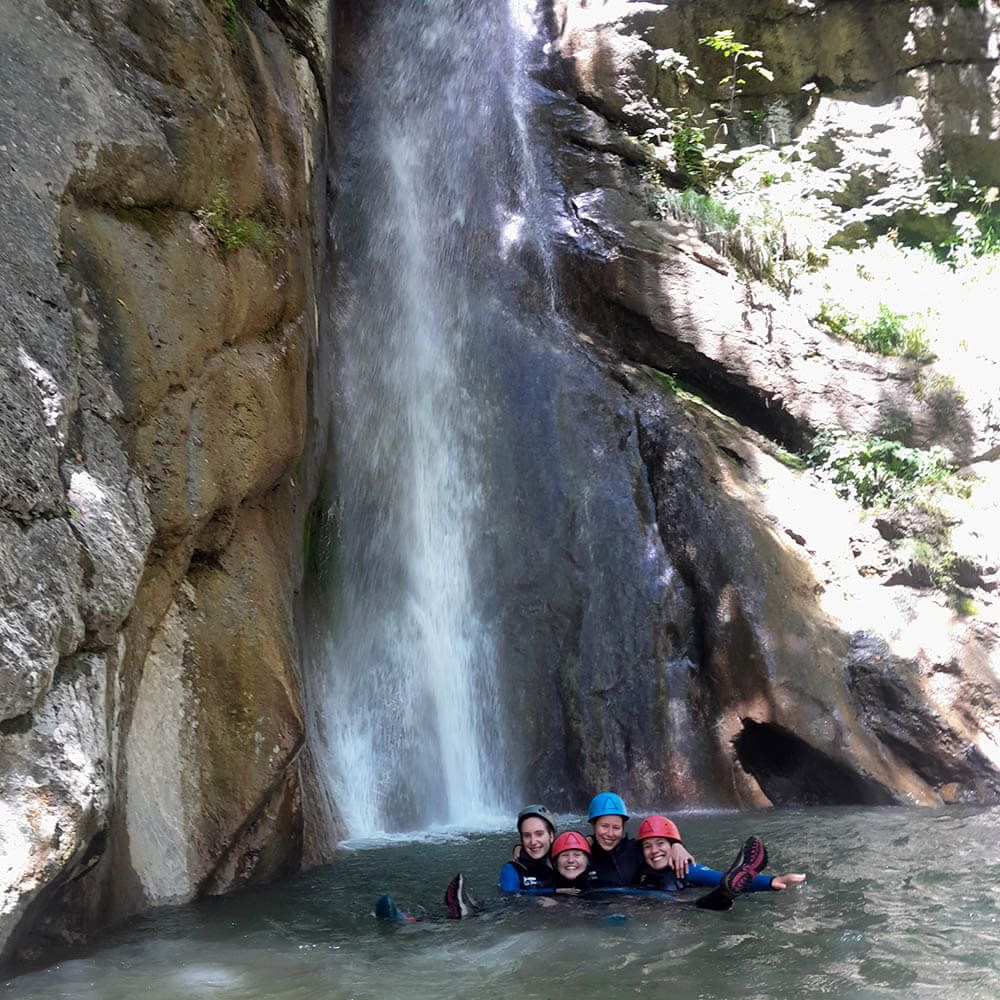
(700,875)
(510,881)
(760,883)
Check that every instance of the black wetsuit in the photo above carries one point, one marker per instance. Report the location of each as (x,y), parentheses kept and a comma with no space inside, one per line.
(619,866)
(526,874)
(585,880)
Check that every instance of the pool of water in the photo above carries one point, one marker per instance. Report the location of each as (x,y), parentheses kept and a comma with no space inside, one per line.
(898,903)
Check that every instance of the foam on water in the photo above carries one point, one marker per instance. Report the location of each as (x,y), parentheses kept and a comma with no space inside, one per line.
(898,903)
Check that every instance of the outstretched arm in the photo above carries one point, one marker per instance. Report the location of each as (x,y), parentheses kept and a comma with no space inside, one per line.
(784,881)
(700,875)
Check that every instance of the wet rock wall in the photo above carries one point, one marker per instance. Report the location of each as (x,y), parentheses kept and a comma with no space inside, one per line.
(791,665)
(163,174)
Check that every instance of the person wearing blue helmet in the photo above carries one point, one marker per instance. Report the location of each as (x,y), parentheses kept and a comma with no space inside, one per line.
(614,856)
(530,869)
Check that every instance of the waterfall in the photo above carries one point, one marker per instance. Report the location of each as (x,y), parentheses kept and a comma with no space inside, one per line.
(432,198)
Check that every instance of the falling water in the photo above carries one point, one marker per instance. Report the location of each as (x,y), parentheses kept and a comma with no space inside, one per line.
(431,200)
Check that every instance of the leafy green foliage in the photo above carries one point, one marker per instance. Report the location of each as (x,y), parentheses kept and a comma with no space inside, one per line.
(676,62)
(675,387)
(668,381)
(976,226)
(963,604)
(686,136)
(232,231)
(740,59)
(931,560)
(895,333)
(708,213)
(688,131)
(929,556)
(757,245)
(790,460)
(229,14)
(688,139)
(878,471)
(889,333)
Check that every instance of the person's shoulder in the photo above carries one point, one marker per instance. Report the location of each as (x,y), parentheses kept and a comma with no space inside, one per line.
(510,878)
(629,846)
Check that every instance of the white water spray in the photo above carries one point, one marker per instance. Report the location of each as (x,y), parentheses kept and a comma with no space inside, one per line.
(407,731)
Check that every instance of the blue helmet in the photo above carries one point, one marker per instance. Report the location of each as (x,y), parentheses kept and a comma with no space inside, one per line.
(606,804)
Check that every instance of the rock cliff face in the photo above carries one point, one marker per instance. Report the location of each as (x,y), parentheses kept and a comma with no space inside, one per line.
(163,180)
(684,616)
(866,110)
(783,662)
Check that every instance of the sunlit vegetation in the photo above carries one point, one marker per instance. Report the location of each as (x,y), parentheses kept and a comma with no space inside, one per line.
(740,59)
(889,333)
(769,210)
(976,226)
(884,475)
(758,242)
(881,471)
(924,291)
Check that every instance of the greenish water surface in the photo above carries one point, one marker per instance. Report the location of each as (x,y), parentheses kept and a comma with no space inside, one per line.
(899,903)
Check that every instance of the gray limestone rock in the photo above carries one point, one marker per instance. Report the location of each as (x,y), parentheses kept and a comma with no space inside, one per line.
(697,318)
(110,516)
(153,383)
(874,72)
(781,578)
(54,790)
(41,580)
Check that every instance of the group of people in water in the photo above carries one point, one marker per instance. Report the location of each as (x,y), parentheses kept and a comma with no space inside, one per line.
(546,863)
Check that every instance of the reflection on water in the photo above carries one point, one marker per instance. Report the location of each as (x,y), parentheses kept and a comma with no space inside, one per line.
(899,903)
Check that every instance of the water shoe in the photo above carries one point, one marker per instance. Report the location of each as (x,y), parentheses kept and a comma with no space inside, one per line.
(386,909)
(457,901)
(747,865)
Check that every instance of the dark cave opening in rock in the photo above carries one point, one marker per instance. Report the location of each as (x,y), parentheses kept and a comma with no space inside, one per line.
(791,772)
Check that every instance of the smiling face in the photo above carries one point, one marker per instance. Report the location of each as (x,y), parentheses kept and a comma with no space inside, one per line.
(656,851)
(571,864)
(536,837)
(608,831)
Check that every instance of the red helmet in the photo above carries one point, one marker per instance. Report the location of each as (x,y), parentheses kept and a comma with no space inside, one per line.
(569,841)
(657,826)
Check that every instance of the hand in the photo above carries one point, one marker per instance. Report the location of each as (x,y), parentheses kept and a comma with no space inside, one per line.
(784,881)
(680,859)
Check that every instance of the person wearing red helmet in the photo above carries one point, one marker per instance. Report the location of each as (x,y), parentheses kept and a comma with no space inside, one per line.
(656,834)
(571,857)
(615,857)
